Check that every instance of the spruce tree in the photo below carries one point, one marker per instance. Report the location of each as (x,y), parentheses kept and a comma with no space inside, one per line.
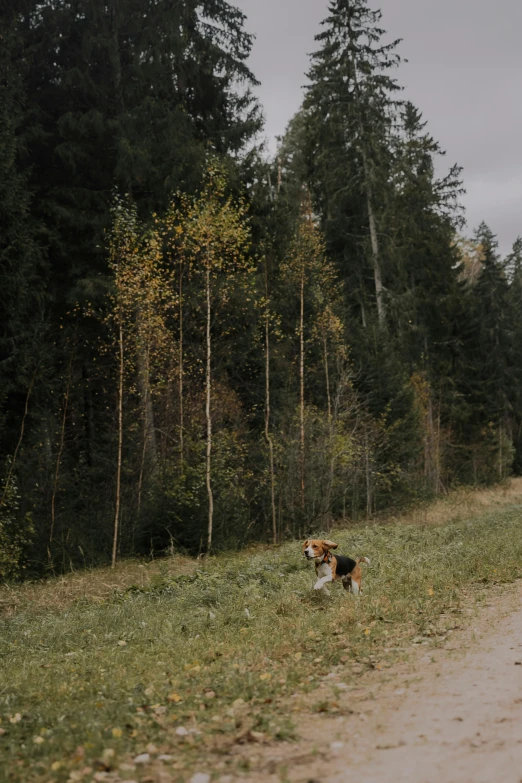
(513,266)
(421,219)
(22,304)
(351,104)
(128,94)
(484,376)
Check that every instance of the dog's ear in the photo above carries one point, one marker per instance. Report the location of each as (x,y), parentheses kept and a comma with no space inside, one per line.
(306,544)
(330,544)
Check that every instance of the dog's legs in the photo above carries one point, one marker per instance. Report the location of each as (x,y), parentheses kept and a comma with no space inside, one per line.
(320,584)
(351,585)
(324,575)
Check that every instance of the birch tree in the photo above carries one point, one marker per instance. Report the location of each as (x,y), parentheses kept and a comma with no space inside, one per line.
(214,237)
(141,299)
(303,266)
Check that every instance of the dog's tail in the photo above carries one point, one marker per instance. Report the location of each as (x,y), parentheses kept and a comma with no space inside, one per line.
(363,560)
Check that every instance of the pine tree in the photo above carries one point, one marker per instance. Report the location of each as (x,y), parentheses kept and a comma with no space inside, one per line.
(22,305)
(422,218)
(130,95)
(351,108)
(513,267)
(484,378)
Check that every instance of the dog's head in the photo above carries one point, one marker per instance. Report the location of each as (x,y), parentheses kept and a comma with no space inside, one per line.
(316,548)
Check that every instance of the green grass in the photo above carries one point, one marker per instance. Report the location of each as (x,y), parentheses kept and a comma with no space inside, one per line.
(220,652)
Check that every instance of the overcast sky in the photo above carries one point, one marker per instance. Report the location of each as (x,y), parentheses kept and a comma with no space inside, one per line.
(464,73)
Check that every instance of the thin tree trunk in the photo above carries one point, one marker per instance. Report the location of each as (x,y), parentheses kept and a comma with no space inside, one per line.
(15,455)
(500,469)
(180,372)
(374,238)
(60,450)
(301,385)
(327,377)
(430,443)
(143,371)
(120,445)
(369,501)
(270,188)
(142,469)
(267,412)
(90,430)
(439,487)
(209,421)
(331,421)
(377,274)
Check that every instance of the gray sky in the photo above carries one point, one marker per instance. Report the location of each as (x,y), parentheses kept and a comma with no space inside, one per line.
(464,73)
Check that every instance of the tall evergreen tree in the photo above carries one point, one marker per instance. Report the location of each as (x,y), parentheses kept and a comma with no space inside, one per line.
(130,95)
(513,266)
(421,219)
(351,108)
(22,304)
(483,375)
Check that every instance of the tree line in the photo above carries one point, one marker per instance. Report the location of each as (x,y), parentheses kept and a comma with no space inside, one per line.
(202,345)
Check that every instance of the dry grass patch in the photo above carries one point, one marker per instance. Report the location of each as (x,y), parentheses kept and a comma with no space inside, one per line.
(193,665)
(91,585)
(461,504)
(101,583)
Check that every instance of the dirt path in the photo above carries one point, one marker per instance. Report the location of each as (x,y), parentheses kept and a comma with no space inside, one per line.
(451,715)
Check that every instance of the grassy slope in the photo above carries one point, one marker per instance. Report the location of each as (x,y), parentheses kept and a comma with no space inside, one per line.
(219,652)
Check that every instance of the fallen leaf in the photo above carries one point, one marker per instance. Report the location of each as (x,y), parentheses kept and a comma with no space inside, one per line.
(200,777)
(107,755)
(116,733)
(265,676)
(122,643)
(174,697)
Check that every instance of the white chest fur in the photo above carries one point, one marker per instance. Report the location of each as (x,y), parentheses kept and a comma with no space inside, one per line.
(324,575)
(324,570)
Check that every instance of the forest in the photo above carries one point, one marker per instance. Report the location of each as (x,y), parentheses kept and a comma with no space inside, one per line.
(203,345)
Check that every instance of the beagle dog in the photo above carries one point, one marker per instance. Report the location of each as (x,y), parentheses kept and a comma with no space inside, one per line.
(330,567)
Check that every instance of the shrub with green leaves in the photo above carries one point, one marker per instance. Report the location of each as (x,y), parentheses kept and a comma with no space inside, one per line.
(16,532)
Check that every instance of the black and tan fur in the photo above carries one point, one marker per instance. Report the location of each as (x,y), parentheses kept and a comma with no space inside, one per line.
(330,567)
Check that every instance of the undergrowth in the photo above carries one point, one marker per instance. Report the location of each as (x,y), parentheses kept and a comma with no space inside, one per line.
(194,664)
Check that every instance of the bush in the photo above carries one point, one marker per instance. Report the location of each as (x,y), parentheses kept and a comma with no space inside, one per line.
(16,532)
